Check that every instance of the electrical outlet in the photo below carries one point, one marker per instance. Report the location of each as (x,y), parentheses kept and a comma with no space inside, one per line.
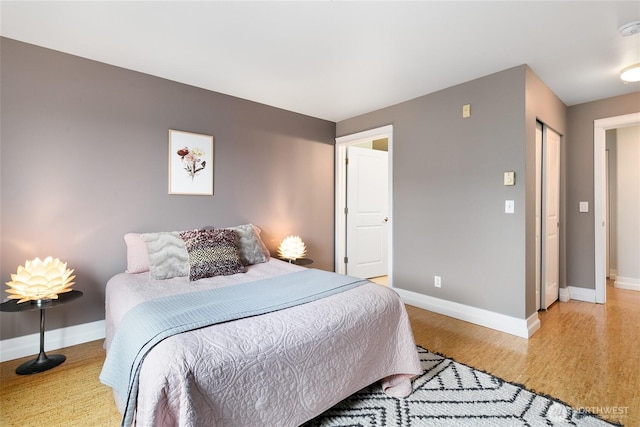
(437,281)
(509,206)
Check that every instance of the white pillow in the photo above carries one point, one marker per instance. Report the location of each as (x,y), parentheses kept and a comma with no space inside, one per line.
(251,248)
(168,256)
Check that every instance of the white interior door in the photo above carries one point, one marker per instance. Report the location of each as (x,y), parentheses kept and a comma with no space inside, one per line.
(367,212)
(550,217)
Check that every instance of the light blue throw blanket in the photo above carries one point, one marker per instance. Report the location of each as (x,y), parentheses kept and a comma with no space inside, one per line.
(150,322)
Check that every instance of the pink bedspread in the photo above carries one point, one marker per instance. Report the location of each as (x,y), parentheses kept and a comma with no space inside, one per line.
(277,369)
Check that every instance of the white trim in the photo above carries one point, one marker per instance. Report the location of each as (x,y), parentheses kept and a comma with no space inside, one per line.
(582,294)
(523,328)
(27,345)
(366,135)
(630,283)
(340,195)
(600,127)
(340,192)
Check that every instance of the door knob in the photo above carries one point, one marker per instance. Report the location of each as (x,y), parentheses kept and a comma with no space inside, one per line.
(386,219)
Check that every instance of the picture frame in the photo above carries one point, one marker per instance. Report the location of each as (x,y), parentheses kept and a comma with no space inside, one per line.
(191,163)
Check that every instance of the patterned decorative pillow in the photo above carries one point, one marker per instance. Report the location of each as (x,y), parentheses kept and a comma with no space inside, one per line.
(168,255)
(212,253)
(250,247)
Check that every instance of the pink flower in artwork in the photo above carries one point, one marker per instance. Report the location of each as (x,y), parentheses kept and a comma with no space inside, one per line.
(192,160)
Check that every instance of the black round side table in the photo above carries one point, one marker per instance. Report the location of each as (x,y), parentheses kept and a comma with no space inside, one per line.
(42,362)
(297,261)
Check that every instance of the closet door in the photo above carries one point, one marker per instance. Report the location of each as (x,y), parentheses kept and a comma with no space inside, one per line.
(550,217)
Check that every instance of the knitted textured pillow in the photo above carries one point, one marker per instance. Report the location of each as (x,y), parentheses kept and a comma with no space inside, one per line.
(167,255)
(212,253)
(250,247)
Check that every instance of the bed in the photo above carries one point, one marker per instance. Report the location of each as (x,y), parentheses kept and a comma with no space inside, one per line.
(280,367)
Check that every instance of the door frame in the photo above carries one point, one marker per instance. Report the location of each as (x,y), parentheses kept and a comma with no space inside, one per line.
(600,127)
(538,216)
(341,192)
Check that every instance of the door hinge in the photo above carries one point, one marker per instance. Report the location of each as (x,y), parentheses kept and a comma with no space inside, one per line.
(346,260)
(346,211)
(346,161)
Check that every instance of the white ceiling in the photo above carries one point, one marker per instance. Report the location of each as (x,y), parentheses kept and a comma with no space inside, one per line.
(336,60)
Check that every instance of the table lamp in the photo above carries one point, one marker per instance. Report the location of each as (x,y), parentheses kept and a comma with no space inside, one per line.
(40,281)
(292,248)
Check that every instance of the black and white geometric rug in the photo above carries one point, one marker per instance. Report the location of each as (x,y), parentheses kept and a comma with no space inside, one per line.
(449,393)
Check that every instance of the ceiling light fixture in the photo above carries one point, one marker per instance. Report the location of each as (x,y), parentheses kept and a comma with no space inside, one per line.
(630,29)
(631,73)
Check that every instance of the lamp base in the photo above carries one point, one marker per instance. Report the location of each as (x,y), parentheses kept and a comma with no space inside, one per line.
(40,364)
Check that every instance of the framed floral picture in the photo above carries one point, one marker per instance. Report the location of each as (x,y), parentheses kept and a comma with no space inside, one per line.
(190,163)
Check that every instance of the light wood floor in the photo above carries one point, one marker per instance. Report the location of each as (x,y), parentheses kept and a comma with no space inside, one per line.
(586,355)
(380,280)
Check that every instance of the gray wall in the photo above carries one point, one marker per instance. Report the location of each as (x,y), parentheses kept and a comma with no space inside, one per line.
(84,161)
(448,205)
(579,167)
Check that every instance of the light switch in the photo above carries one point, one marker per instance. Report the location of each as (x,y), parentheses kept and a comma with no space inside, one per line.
(584,206)
(509,206)
(510,178)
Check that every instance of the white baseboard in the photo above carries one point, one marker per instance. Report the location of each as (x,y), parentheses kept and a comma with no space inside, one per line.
(523,328)
(613,274)
(581,294)
(564,295)
(15,348)
(629,283)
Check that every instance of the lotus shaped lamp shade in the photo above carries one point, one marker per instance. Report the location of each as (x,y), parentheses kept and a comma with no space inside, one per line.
(292,247)
(40,280)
